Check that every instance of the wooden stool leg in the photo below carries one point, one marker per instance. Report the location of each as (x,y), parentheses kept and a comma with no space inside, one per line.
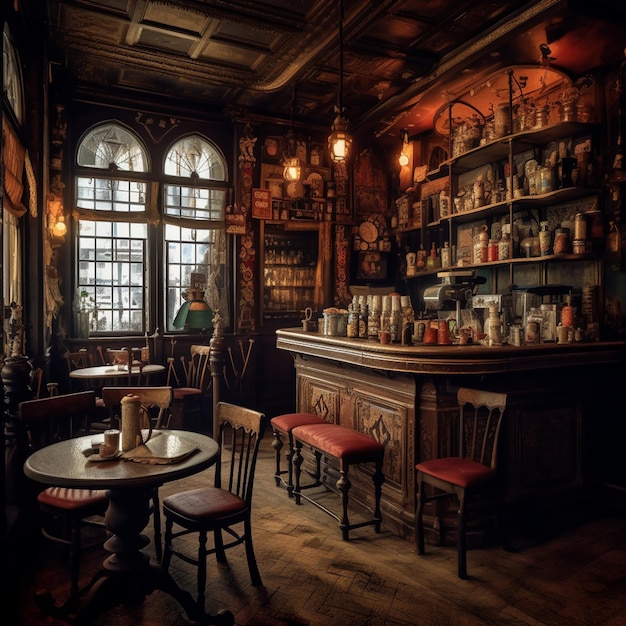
(378,478)
(419,511)
(289,458)
(277,444)
(460,540)
(343,485)
(297,467)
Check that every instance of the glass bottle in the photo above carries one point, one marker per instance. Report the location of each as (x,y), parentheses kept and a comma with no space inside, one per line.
(352,328)
(504,245)
(493,326)
(363,313)
(373,320)
(408,320)
(567,313)
(395,319)
(385,316)
(545,238)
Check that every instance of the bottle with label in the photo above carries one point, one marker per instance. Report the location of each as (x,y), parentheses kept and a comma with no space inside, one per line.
(493,326)
(363,313)
(395,319)
(385,315)
(504,244)
(545,239)
(567,313)
(445,255)
(373,319)
(352,327)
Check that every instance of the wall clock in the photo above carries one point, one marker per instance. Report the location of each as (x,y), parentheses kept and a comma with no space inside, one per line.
(368,231)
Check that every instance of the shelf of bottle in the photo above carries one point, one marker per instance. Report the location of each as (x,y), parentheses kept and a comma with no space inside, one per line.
(518,260)
(499,148)
(558,196)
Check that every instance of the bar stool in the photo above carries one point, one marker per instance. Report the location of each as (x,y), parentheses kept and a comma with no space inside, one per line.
(282,425)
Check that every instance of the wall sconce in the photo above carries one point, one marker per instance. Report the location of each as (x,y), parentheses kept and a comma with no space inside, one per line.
(339,140)
(403,159)
(56,219)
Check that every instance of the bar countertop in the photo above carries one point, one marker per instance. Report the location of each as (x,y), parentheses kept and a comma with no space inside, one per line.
(452,359)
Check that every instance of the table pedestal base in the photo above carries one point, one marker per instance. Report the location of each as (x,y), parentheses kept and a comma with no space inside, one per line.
(127,575)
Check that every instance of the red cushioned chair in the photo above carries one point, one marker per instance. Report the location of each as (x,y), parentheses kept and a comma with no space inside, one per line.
(470,475)
(282,426)
(226,505)
(65,511)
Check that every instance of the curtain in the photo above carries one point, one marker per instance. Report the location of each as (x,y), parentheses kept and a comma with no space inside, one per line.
(13,158)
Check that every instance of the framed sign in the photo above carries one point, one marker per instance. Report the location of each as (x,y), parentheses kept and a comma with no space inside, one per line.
(262,204)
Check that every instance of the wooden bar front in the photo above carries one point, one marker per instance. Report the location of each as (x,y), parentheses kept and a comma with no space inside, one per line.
(405,397)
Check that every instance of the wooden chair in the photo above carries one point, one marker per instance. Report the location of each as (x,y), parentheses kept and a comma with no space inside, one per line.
(159,398)
(77,360)
(191,386)
(226,504)
(470,475)
(124,357)
(46,421)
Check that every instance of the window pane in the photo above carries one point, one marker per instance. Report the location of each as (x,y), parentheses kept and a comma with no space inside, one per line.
(195,203)
(104,194)
(194,250)
(195,157)
(112,269)
(109,146)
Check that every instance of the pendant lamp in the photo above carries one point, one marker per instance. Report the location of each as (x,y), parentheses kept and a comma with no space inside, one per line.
(293,169)
(339,140)
(195,313)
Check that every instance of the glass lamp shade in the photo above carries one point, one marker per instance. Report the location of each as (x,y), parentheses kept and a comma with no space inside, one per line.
(60,229)
(339,140)
(292,171)
(194,314)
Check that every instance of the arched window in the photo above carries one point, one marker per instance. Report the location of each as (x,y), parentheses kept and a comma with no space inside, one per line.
(112,241)
(194,199)
(12,76)
(134,245)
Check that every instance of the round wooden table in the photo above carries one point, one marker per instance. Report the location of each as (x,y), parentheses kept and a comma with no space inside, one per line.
(100,372)
(127,574)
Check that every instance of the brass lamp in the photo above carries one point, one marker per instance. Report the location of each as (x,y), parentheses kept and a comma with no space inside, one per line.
(195,313)
(292,171)
(340,140)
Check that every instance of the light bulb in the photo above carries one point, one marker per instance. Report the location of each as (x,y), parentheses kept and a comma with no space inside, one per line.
(403,160)
(60,229)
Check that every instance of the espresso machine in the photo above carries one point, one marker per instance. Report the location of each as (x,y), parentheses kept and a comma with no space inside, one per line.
(456,289)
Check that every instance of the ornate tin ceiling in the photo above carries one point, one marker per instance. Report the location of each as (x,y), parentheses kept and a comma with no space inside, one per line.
(402,57)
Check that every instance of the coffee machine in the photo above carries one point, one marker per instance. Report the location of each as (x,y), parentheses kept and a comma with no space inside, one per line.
(456,289)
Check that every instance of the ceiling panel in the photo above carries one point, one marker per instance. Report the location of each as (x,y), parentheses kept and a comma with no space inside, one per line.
(402,57)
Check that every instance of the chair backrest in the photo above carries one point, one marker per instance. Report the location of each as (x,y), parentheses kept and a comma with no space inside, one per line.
(240,434)
(78,360)
(480,421)
(195,372)
(151,397)
(53,419)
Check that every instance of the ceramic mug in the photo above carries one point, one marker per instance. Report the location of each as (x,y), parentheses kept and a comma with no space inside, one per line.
(384,336)
(111,443)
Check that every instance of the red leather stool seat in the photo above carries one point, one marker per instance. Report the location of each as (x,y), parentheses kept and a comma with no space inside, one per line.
(282,425)
(348,447)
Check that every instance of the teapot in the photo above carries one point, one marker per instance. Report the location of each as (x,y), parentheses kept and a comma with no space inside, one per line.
(132,414)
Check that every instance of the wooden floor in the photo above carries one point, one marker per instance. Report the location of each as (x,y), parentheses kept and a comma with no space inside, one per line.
(312,577)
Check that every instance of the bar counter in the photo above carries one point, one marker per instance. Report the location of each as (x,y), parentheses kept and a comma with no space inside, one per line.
(553,447)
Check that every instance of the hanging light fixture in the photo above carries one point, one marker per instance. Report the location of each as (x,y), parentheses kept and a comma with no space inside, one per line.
(339,140)
(291,163)
(403,159)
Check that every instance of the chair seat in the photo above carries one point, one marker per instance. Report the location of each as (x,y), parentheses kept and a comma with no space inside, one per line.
(205,503)
(339,441)
(72,499)
(461,472)
(289,421)
(184,392)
